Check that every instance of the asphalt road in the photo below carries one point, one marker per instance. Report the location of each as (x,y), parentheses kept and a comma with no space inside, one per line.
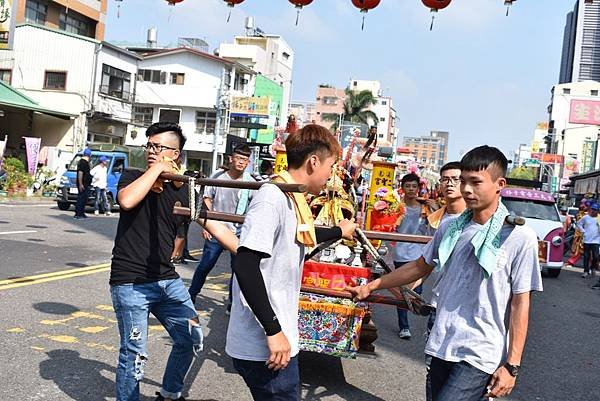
(60,340)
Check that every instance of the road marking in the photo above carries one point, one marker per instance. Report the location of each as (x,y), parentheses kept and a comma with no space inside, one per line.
(59,275)
(17,232)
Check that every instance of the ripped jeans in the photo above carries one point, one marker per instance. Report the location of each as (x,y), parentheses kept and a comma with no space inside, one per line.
(170,303)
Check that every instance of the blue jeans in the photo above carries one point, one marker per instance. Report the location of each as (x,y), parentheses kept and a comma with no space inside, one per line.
(268,385)
(590,255)
(457,381)
(170,303)
(210,255)
(101,203)
(402,313)
(82,198)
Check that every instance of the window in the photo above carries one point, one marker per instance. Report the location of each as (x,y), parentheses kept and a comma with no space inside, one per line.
(56,80)
(331,100)
(6,76)
(177,78)
(168,115)
(594,92)
(75,23)
(382,119)
(206,121)
(35,12)
(149,76)
(143,115)
(285,55)
(384,102)
(566,91)
(115,82)
(381,135)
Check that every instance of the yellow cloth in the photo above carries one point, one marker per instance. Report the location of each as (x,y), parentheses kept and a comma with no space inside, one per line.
(158,184)
(434,219)
(305,231)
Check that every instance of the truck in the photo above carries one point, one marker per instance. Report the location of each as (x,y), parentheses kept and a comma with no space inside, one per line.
(119,158)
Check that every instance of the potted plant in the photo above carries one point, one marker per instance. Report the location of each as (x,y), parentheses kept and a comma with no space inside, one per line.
(387,210)
(17,179)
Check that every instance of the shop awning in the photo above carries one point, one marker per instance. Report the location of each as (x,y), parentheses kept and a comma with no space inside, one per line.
(10,97)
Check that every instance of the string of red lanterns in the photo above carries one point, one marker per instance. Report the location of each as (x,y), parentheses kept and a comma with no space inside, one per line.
(299,4)
(435,6)
(365,6)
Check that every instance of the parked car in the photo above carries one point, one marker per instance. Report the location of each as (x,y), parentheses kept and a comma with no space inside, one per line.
(541,214)
(119,158)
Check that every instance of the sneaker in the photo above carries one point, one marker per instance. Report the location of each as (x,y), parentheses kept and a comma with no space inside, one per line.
(596,286)
(190,258)
(96,213)
(159,397)
(404,334)
(585,274)
(108,213)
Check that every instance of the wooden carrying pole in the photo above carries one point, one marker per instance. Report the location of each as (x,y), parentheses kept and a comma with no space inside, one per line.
(419,308)
(233,183)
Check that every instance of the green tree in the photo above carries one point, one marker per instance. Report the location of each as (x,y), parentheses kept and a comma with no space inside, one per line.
(523,173)
(356,109)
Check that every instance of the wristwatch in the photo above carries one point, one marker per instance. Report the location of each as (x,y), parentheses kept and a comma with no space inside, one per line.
(512,369)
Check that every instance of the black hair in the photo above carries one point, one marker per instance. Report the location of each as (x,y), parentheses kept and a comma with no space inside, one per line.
(265,166)
(165,126)
(450,166)
(242,149)
(410,177)
(483,157)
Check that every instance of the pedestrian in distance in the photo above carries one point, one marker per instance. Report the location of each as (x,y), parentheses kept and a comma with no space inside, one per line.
(226,200)
(589,227)
(84,182)
(488,269)
(263,337)
(99,183)
(142,278)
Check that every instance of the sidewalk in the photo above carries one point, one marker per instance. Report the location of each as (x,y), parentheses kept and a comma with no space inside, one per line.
(27,200)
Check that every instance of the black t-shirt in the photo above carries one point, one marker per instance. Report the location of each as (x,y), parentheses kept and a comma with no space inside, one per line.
(84,166)
(145,235)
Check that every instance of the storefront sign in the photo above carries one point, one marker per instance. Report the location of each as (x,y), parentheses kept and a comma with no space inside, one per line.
(585,112)
(250,107)
(32,146)
(8,10)
(548,158)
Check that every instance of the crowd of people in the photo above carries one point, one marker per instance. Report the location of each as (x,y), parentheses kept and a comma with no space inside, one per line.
(483,270)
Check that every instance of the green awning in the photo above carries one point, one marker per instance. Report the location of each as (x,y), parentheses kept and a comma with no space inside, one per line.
(11,97)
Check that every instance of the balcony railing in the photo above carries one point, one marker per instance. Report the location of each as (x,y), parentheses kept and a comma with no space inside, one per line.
(119,94)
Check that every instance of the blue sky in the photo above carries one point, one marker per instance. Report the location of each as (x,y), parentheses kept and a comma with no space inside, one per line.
(482,76)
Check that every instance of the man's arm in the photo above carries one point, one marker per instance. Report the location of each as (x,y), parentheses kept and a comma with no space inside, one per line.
(410,272)
(130,196)
(502,382)
(80,180)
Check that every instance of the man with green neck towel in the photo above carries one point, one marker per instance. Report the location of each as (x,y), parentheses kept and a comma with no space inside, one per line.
(488,269)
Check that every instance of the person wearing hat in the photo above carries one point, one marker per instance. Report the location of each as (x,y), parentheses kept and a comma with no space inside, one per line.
(590,229)
(84,182)
(99,182)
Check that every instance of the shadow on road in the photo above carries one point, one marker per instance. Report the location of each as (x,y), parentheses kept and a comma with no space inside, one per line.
(55,308)
(68,370)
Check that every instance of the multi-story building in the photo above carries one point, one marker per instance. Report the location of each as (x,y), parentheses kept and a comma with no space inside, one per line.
(522,154)
(430,151)
(330,101)
(267,54)
(183,85)
(305,112)
(580,59)
(81,17)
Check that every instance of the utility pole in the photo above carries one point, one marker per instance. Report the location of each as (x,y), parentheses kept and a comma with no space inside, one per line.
(217,133)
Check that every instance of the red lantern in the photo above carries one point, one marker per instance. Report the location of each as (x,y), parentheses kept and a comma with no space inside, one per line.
(231,4)
(435,5)
(174,2)
(365,6)
(508,3)
(299,4)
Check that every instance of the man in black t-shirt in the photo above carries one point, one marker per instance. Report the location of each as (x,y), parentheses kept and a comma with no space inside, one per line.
(142,278)
(84,182)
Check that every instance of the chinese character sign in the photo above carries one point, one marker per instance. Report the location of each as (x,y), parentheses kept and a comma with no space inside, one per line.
(585,112)
(7,23)
(381,177)
(32,145)
(280,162)
(250,106)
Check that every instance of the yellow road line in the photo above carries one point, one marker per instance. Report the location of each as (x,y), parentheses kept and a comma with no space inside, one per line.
(60,275)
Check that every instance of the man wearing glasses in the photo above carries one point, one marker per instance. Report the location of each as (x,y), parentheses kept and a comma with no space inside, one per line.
(226,200)
(142,278)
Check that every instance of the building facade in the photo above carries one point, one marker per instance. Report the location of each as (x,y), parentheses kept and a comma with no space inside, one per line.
(430,151)
(305,112)
(81,17)
(580,59)
(329,101)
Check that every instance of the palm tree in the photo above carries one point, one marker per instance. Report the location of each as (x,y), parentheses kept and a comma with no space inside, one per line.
(356,109)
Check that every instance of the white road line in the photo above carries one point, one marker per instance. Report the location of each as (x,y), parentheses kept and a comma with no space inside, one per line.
(16,232)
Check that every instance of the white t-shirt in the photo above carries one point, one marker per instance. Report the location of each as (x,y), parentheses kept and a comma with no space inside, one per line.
(99,176)
(473,312)
(590,228)
(269,228)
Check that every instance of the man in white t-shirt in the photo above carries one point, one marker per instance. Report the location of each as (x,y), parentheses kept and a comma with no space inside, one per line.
(588,226)
(99,183)
(488,270)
